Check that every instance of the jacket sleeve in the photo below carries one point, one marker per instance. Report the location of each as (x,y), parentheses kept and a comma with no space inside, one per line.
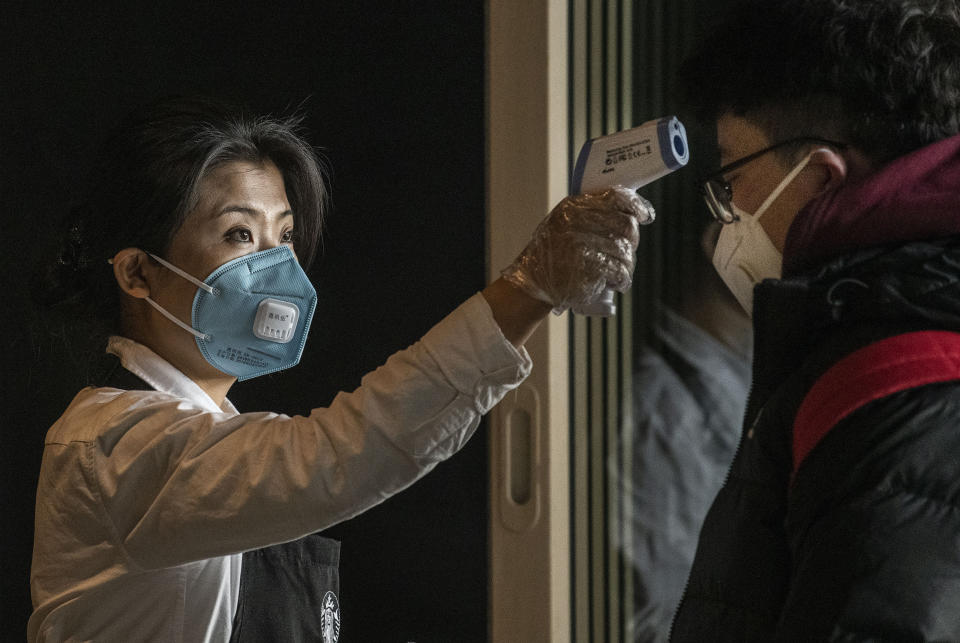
(874,525)
(180,484)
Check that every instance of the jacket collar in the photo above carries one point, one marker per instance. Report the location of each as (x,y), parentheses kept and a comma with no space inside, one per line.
(161,375)
(852,300)
(913,198)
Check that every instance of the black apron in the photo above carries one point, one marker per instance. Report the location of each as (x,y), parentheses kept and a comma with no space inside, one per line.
(289,593)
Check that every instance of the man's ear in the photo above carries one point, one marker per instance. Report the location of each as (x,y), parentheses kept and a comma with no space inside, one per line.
(833,166)
(129,269)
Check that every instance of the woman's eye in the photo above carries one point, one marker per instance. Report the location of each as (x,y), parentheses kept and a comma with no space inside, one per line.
(240,235)
(287,237)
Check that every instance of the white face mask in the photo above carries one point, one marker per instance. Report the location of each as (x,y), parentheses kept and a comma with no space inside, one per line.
(744,255)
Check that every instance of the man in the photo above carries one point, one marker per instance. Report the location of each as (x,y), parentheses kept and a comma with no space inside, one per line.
(837,125)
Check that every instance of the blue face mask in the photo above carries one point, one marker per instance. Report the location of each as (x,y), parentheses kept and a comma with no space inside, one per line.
(252,314)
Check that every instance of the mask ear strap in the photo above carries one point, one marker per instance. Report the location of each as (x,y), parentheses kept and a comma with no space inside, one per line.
(196,282)
(199,284)
(190,329)
(783,186)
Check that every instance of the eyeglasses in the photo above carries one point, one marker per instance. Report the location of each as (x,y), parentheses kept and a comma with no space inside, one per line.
(718,192)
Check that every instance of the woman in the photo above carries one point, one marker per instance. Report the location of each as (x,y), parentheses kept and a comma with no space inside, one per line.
(153,484)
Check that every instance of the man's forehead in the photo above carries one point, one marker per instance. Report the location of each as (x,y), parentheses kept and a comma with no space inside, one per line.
(738,136)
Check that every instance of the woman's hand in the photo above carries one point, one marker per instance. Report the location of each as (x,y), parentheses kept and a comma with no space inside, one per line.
(586,245)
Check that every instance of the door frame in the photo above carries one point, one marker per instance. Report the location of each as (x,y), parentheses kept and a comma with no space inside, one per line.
(527,174)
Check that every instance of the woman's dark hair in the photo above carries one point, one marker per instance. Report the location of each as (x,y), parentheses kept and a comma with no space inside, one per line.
(147,180)
(881,75)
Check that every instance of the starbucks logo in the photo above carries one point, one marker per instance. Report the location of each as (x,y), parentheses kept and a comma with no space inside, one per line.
(330,618)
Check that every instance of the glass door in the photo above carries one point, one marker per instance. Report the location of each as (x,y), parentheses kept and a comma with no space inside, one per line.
(577,544)
(657,392)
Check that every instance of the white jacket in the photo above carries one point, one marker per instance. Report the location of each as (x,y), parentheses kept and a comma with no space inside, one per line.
(147,498)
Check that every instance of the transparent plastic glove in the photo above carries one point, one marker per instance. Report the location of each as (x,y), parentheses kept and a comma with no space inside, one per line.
(585,246)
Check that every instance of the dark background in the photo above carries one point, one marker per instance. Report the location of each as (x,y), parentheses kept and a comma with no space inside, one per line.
(393,93)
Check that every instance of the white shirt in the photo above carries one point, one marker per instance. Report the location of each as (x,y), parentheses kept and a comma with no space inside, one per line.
(147,498)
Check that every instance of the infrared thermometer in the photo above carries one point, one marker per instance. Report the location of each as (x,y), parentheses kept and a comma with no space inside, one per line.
(632,158)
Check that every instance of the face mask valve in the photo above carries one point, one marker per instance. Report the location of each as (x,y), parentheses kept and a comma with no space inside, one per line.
(276,320)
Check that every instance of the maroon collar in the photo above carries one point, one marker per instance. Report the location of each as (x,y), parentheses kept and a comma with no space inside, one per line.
(914,197)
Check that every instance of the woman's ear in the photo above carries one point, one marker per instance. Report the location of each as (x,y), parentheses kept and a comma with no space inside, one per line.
(833,168)
(129,269)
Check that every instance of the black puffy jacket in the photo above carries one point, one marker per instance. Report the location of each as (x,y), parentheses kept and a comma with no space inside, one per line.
(864,543)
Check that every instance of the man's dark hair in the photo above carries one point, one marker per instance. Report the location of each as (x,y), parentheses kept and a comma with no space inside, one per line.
(147,179)
(881,75)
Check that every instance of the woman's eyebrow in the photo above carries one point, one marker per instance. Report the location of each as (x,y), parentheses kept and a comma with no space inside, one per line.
(249,211)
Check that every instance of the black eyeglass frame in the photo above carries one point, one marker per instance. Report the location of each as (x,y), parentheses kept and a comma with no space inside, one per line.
(721,210)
